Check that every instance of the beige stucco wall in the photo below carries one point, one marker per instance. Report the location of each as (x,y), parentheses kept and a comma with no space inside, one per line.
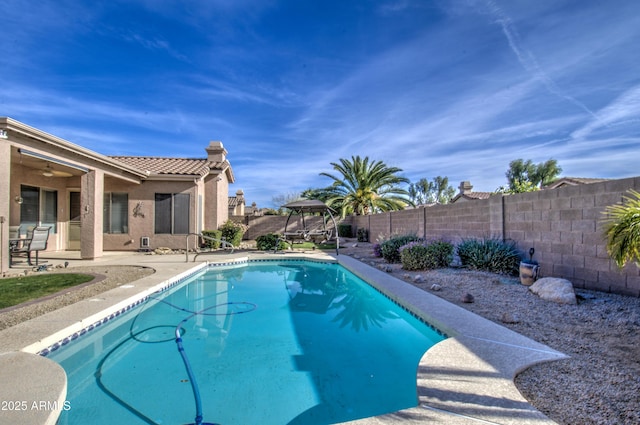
(142,223)
(5,203)
(216,190)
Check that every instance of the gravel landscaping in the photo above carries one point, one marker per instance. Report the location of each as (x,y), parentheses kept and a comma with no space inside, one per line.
(598,384)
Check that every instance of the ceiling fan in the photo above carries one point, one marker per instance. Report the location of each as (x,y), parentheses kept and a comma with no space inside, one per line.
(48,171)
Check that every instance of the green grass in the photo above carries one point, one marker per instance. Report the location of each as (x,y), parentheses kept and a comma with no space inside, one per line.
(311,245)
(16,290)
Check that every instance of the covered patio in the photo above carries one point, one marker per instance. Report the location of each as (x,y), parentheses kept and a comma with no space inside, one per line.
(49,182)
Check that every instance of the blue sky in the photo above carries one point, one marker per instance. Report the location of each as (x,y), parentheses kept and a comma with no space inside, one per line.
(438,88)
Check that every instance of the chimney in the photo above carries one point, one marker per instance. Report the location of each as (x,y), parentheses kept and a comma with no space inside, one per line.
(465,187)
(240,205)
(216,152)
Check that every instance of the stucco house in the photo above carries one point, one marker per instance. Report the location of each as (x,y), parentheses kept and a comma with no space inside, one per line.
(95,203)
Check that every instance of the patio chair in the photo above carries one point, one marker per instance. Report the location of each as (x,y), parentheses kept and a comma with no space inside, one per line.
(14,232)
(37,243)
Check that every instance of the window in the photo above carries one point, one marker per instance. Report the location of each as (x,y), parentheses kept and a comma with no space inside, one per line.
(39,208)
(116,216)
(172,213)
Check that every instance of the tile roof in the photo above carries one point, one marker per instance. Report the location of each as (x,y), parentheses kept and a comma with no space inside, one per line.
(571,181)
(478,195)
(472,196)
(175,166)
(233,201)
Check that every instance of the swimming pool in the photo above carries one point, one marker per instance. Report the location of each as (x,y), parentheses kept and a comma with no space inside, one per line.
(294,342)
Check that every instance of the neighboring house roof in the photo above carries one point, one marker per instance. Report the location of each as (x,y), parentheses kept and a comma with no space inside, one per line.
(470,196)
(571,181)
(252,209)
(233,201)
(466,194)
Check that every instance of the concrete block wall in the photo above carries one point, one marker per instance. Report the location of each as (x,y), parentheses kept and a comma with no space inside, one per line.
(566,228)
(563,225)
(261,225)
(452,222)
(458,221)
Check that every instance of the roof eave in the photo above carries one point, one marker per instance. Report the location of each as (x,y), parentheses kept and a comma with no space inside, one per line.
(173,177)
(26,130)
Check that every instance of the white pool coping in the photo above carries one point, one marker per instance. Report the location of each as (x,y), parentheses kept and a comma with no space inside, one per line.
(465,379)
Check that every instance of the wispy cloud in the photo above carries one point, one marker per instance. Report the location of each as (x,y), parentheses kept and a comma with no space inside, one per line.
(624,110)
(456,89)
(527,58)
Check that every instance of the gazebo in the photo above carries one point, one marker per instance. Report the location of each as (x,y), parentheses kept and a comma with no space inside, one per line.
(311,206)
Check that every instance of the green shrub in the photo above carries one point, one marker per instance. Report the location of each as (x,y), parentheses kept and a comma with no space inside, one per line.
(389,249)
(344,231)
(208,243)
(492,255)
(232,232)
(442,252)
(422,255)
(268,242)
(362,234)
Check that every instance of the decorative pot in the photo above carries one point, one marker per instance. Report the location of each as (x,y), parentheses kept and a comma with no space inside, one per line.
(528,273)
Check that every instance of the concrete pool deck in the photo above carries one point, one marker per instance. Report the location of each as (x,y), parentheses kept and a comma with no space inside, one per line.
(466,379)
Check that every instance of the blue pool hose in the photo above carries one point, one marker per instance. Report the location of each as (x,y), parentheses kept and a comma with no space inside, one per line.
(179,331)
(192,378)
(183,353)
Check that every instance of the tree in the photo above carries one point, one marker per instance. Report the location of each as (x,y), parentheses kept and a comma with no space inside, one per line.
(546,172)
(418,192)
(525,176)
(319,194)
(622,230)
(363,187)
(436,191)
(283,199)
(442,191)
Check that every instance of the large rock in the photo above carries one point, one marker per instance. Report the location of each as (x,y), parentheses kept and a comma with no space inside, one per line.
(554,289)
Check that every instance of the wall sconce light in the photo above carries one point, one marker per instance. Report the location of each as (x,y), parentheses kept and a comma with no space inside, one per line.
(18,199)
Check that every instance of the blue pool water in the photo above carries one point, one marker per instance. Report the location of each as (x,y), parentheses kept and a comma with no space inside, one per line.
(287,342)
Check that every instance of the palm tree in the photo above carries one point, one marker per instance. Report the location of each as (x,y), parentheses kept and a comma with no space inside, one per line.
(364,187)
(622,229)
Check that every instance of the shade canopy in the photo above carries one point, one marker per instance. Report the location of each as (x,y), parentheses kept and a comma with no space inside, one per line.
(309,206)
